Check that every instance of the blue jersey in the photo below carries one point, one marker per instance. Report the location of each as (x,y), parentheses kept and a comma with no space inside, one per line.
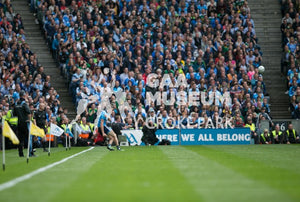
(103,116)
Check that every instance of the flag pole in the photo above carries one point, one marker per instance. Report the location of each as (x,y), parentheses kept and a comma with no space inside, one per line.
(69,142)
(3,146)
(49,139)
(66,142)
(28,142)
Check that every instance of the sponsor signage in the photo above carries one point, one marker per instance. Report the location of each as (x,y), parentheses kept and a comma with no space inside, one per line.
(134,137)
(215,136)
(237,136)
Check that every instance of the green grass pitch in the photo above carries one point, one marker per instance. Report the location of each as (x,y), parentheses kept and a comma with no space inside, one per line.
(158,173)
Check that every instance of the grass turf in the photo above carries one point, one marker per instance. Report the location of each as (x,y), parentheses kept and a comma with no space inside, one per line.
(159,173)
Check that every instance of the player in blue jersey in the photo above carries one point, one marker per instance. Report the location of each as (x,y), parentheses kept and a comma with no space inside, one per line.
(107,131)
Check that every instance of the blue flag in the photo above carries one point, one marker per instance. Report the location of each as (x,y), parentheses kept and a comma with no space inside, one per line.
(69,132)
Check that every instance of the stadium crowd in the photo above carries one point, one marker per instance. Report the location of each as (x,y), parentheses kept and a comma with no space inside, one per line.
(22,75)
(113,46)
(290,29)
(212,43)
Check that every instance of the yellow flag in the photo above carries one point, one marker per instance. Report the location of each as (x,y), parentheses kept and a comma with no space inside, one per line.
(34,130)
(9,133)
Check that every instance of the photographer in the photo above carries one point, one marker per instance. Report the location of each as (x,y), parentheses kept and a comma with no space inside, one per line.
(149,137)
(117,125)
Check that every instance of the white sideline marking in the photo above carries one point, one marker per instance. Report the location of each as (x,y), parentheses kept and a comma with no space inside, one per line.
(15,181)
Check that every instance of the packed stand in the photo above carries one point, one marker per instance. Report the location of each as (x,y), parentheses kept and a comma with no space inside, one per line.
(290,29)
(22,77)
(99,44)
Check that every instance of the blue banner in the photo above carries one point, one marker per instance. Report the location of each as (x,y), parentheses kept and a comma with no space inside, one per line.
(215,136)
(206,136)
(171,135)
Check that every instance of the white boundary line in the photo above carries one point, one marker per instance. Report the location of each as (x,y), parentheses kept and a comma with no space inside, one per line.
(15,181)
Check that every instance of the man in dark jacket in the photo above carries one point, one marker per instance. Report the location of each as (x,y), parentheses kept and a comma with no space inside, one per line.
(149,137)
(23,112)
(117,126)
(39,118)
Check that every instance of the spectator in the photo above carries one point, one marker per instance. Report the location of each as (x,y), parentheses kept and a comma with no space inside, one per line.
(290,42)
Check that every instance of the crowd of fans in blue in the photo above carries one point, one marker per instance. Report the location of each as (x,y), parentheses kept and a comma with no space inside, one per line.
(290,29)
(20,69)
(213,43)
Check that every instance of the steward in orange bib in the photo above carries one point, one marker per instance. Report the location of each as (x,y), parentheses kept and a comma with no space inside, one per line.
(48,135)
(85,134)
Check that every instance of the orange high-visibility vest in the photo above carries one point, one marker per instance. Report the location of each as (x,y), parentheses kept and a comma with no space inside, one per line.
(84,136)
(48,136)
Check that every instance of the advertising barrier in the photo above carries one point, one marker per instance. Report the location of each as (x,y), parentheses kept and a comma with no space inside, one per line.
(134,137)
(171,135)
(237,136)
(215,136)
